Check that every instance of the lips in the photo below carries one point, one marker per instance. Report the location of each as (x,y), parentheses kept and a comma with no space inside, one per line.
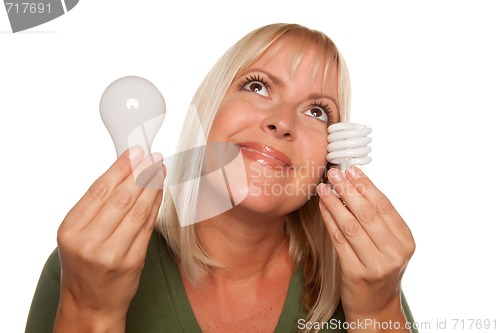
(265,155)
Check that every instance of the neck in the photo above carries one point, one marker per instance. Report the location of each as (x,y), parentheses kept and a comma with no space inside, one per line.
(246,247)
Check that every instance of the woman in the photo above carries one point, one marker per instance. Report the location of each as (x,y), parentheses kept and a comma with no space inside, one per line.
(281,261)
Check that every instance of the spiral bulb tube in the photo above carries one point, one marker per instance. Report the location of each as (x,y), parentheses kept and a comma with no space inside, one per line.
(348,144)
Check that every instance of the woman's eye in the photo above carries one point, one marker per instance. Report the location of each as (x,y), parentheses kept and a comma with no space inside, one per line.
(318,111)
(257,87)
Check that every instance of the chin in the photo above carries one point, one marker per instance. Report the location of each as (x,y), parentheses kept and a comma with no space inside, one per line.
(271,200)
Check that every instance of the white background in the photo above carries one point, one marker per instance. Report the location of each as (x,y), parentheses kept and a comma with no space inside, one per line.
(425,75)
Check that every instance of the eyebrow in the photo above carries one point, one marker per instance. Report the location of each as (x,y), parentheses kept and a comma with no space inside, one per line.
(279,82)
(273,78)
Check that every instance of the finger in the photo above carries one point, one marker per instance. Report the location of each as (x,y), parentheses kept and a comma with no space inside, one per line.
(139,245)
(380,202)
(139,220)
(364,212)
(344,250)
(151,177)
(120,201)
(98,193)
(351,229)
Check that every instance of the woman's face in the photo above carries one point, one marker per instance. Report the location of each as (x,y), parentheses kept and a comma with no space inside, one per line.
(279,119)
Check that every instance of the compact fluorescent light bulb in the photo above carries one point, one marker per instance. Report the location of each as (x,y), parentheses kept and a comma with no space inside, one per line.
(348,144)
(132,110)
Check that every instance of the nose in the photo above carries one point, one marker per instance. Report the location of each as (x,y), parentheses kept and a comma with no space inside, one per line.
(280,122)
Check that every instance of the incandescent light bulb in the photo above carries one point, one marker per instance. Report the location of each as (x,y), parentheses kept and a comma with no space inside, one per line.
(132,109)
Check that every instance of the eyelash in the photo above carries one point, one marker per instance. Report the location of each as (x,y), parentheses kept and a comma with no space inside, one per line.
(256,78)
(259,78)
(325,107)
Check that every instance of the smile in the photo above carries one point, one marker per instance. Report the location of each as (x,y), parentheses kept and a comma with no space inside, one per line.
(265,155)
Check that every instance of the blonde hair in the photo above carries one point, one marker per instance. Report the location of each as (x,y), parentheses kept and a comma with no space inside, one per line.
(309,240)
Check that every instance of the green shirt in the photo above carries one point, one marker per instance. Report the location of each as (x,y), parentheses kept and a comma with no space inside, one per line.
(161,303)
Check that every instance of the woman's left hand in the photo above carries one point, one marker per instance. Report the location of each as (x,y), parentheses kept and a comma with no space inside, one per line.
(372,241)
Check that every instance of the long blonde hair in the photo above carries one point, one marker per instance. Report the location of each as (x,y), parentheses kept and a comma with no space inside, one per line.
(309,240)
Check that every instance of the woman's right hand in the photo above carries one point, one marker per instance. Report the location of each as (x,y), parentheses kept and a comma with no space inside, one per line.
(103,243)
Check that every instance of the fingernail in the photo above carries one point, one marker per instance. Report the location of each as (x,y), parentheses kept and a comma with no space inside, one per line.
(354,172)
(156,157)
(324,190)
(135,153)
(335,175)
(322,205)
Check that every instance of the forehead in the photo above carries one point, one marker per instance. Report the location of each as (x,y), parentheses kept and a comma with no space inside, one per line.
(294,58)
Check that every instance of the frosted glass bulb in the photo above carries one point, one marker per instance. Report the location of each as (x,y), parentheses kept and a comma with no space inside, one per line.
(348,144)
(132,109)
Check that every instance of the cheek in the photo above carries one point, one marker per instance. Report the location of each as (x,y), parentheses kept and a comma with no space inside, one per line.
(314,160)
(232,117)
